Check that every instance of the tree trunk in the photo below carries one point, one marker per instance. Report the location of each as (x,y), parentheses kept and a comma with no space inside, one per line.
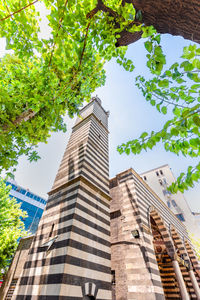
(176,17)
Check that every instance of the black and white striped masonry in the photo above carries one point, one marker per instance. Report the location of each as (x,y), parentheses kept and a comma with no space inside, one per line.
(70,255)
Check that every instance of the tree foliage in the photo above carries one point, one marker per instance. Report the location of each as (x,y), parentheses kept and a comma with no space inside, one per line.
(11,225)
(177,90)
(44,78)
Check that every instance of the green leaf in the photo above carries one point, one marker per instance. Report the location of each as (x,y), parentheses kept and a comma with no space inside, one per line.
(195,86)
(196,120)
(168,73)
(148,45)
(174,66)
(196,63)
(163,83)
(187,66)
(164,110)
(127,151)
(143,135)
(157,38)
(174,131)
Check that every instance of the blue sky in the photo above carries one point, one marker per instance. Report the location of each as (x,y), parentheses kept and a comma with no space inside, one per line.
(130,115)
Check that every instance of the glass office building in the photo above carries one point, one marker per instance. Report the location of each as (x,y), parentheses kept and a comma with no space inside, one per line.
(30,202)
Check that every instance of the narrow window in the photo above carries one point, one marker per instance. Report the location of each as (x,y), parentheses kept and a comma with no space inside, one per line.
(113,276)
(145,178)
(174,203)
(51,232)
(161,172)
(180,217)
(157,173)
(160,181)
(168,204)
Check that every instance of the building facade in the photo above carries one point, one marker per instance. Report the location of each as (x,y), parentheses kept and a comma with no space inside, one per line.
(101,239)
(197,217)
(10,280)
(151,254)
(30,202)
(70,255)
(159,179)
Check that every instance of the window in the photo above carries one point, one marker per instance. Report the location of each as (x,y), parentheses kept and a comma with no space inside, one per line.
(161,172)
(113,276)
(165,192)
(180,217)
(135,234)
(145,178)
(115,214)
(168,204)
(160,181)
(22,191)
(52,228)
(174,203)
(157,173)
(164,180)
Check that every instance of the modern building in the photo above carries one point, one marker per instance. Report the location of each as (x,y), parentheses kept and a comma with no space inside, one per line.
(197,218)
(101,239)
(31,203)
(159,179)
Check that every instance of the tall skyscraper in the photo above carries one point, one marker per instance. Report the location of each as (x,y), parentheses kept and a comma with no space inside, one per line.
(70,254)
(159,179)
(30,202)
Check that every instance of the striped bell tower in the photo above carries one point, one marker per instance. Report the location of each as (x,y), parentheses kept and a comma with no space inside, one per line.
(70,255)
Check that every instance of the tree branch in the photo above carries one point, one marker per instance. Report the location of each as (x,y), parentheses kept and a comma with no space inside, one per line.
(24,117)
(85,42)
(60,23)
(163,99)
(16,12)
(101,6)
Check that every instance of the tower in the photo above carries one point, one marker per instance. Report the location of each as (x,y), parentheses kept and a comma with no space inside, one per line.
(70,254)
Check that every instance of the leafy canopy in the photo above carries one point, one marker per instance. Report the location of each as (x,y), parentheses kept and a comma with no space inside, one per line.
(11,225)
(44,78)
